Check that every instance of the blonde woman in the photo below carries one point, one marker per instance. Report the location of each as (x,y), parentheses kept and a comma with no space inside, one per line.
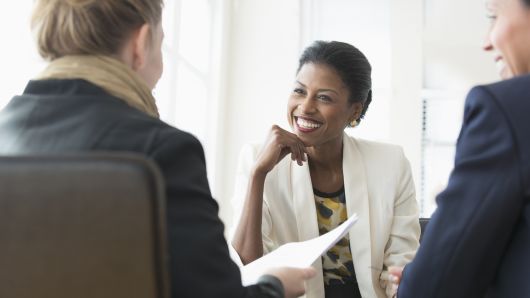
(104,60)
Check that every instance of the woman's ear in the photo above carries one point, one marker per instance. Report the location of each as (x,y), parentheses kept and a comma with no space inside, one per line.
(356,110)
(140,46)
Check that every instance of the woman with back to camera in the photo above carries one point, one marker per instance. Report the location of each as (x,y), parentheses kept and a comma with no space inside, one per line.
(95,95)
(329,176)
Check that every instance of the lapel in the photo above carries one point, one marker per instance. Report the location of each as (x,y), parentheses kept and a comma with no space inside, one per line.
(357,201)
(306,220)
(304,202)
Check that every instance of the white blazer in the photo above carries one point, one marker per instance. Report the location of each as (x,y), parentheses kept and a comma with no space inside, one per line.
(379,188)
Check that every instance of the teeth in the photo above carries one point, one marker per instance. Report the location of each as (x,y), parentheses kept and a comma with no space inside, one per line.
(307,124)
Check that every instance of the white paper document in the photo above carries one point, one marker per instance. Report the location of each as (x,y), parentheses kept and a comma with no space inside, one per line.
(296,254)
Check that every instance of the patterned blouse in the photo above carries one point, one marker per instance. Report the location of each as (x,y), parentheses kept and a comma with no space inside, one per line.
(337,263)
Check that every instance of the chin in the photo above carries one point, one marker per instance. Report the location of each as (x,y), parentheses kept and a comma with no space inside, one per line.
(506,74)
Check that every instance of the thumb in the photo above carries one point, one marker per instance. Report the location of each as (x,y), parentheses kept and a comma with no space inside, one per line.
(309,273)
(395,273)
(395,270)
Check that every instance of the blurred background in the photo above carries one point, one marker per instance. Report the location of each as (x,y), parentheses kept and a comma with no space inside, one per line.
(230,65)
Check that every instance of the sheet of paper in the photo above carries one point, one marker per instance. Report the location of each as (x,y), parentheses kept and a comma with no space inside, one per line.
(296,254)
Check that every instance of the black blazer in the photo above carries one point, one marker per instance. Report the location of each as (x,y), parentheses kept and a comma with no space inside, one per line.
(60,116)
(477,243)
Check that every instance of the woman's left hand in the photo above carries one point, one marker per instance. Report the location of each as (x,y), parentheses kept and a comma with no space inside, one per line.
(394,276)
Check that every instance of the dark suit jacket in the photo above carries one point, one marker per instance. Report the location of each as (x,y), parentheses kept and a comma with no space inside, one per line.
(477,243)
(60,116)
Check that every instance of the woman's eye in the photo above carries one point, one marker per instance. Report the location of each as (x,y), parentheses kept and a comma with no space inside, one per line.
(299,91)
(324,98)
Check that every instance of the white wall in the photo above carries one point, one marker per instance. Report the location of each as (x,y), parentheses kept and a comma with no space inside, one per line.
(454,61)
(454,34)
(263,54)
(414,46)
(406,25)
(18,56)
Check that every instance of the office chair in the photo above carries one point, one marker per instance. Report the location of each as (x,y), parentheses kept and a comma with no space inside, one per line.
(82,226)
(423,226)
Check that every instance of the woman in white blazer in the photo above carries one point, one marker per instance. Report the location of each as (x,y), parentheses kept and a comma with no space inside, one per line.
(329,176)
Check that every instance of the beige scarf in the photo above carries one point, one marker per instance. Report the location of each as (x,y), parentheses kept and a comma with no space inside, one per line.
(109,74)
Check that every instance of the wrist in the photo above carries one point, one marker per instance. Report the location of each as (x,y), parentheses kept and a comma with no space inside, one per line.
(272,285)
(258,173)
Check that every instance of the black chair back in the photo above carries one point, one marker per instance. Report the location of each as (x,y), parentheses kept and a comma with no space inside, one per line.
(82,226)
(423,226)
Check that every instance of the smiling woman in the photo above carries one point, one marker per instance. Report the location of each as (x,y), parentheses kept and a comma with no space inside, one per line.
(510,25)
(330,177)
(478,240)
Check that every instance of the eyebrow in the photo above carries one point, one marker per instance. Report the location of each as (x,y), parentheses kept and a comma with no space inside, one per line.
(320,90)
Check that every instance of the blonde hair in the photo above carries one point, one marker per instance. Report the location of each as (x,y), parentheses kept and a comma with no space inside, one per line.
(89,27)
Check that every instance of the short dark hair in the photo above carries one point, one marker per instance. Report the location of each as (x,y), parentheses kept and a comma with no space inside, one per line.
(527,3)
(351,65)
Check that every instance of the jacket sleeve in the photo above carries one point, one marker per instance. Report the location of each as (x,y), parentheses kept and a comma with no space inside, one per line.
(405,231)
(247,158)
(200,265)
(476,213)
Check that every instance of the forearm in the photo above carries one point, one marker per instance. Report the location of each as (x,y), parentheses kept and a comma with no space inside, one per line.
(247,239)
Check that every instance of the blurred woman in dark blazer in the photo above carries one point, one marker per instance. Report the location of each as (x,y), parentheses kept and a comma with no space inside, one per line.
(477,243)
(105,58)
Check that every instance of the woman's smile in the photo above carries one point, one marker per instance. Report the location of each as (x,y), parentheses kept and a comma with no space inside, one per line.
(306,125)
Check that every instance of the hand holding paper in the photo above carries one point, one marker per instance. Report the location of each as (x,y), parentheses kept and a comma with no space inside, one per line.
(296,254)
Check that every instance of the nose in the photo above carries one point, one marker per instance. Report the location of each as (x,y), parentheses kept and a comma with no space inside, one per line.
(307,105)
(487,45)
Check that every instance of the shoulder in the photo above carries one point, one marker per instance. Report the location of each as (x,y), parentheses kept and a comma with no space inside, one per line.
(385,161)
(173,143)
(496,117)
(515,86)
(376,150)
(247,156)
(250,151)
(143,132)
(509,96)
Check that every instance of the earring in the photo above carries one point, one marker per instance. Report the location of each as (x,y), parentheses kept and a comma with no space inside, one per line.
(354,123)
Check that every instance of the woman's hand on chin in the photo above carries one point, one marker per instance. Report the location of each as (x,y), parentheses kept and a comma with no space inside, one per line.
(279,143)
(394,276)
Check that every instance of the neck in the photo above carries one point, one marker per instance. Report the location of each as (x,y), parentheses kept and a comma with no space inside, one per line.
(327,157)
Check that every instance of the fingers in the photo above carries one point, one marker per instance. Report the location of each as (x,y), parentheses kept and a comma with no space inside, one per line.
(394,290)
(283,140)
(279,143)
(293,279)
(298,153)
(395,274)
(309,273)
